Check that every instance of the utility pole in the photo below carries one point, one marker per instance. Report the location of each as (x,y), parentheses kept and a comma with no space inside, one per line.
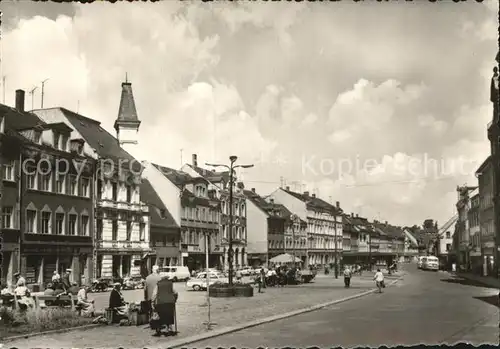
(43,87)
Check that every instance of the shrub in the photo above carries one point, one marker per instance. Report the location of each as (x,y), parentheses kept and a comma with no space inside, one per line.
(38,320)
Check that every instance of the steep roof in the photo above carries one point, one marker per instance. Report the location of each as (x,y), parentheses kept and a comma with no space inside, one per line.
(160,216)
(484,165)
(314,202)
(105,144)
(269,208)
(212,176)
(17,120)
(179,178)
(127,113)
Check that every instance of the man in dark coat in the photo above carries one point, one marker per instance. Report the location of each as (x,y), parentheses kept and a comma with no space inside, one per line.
(66,283)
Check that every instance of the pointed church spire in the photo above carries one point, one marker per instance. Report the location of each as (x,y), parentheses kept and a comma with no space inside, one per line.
(127,123)
(127,113)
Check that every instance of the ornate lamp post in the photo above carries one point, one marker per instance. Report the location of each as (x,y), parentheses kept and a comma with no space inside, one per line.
(231,169)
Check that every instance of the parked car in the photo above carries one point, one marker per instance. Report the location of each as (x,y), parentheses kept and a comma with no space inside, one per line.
(133,282)
(200,281)
(246,271)
(175,273)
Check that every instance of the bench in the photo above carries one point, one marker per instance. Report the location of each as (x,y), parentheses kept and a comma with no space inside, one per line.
(57,300)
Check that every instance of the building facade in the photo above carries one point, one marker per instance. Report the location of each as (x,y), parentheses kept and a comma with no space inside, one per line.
(475,235)
(165,233)
(463,205)
(195,209)
(219,183)
(121,243)
(47,210)
(324,225)
(486,216)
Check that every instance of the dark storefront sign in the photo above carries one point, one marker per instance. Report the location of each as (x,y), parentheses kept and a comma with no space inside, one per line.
(119,252)
(55,250)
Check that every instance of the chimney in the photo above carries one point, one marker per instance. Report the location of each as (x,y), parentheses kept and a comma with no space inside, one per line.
(313,195)
(195,160)
(287,188)
(386,223)
(253,190)
(20,100)
(352,215)
(357,215)
(337,204)
(271,201)
(306,194)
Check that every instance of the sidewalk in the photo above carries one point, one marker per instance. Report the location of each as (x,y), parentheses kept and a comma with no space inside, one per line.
(486,280)
(191,316)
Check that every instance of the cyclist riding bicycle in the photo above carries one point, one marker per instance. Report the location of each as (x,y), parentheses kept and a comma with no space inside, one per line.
(379,280)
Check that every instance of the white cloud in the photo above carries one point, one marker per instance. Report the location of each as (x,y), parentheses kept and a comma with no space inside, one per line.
(436,126)
(340,136)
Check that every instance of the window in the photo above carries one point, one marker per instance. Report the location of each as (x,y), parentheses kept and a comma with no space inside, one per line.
(114,191)
(31,178)
(142,228)
(98,229)
(30,221)
(59,224)
(7,217)
(45,228)
(56,140)
(45,182)
(72,224)
(448,247)
(64,143)
(129,194)
(85,187)
(60,181)
(72,185)
(114,236)
(448,235)
(85,226)
(197,213)
(8,171)
(129,231)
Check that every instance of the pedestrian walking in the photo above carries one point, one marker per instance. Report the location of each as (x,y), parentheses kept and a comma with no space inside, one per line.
(263,277)
(149,286)
(347,276)
(164,299)
(379,280)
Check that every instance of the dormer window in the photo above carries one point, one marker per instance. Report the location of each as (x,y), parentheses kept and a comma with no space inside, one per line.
(37,137)
(56,140)
(64,143)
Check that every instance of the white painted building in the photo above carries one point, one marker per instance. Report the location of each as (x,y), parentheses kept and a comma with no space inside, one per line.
(324,224)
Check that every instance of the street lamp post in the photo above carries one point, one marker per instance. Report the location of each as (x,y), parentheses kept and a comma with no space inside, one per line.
(231,169)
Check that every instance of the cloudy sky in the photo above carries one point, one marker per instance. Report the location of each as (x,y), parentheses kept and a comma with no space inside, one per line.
(382,107)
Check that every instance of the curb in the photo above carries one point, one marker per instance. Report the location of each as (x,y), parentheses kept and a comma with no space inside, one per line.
(62,330)
(226,330)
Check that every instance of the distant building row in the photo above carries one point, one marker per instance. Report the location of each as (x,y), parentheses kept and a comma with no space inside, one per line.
(73,196)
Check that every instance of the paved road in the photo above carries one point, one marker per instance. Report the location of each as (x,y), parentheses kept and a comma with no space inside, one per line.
(423,308)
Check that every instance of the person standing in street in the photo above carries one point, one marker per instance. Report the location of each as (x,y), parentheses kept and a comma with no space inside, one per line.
(263,277)
(379,280)
(347,276)
(150,284)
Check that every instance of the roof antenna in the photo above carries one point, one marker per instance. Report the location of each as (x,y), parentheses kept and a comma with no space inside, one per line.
(126,77)
(43,86)
(32,93)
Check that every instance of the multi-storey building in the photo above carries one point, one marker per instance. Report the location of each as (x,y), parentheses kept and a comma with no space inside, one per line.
(272,230)
(324,224)
(474,235)
(411,245)
(165,233)
(494,137)
(219,183)
(463,225)
(486,216)
(195,209)
(47,196)
(121,243)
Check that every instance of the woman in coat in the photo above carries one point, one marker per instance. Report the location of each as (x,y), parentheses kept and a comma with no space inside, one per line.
(117,303)
(163,303)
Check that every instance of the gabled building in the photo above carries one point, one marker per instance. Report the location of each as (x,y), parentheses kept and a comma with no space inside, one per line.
(47,198)
(165,232)
(121,244)
(324,224)
(411,245)
(463,205)
(195,209)
(219,184)
(272,230)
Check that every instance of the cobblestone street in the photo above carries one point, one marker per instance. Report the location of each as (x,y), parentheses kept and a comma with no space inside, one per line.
(191,314)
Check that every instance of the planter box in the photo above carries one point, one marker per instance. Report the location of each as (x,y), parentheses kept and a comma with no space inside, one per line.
(234,291)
